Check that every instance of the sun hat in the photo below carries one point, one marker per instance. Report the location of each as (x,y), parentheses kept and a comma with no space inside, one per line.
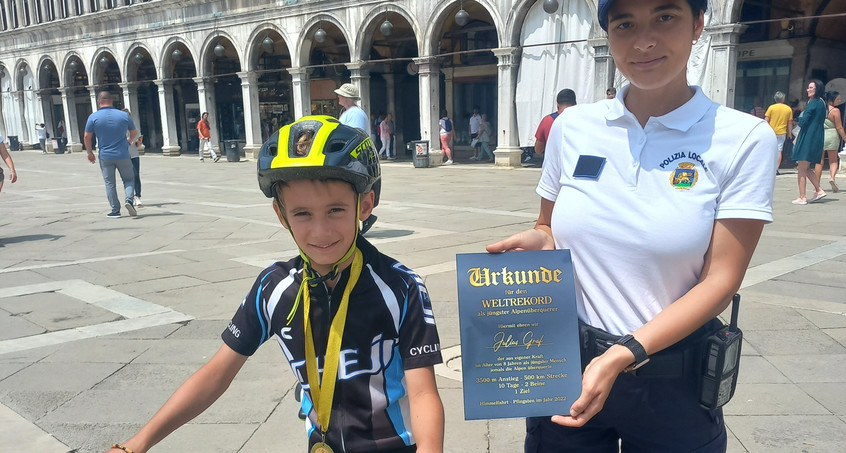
(348,90)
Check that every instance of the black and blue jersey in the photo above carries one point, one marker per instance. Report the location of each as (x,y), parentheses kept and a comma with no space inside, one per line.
(389,328)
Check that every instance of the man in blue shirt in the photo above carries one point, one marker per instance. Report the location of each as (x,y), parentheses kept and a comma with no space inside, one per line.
(353,115)
(111,125)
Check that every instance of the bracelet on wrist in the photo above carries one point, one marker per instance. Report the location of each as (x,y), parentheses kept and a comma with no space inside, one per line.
(121,447)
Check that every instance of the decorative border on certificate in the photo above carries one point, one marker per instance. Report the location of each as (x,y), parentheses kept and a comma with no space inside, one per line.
(520,351)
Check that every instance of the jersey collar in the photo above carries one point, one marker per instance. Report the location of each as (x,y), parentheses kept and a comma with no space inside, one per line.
(681,119)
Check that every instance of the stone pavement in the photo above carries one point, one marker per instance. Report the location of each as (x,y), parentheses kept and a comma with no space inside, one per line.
(101,319)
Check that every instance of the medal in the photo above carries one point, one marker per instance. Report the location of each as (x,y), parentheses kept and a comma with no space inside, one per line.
(321,447)
(322,391)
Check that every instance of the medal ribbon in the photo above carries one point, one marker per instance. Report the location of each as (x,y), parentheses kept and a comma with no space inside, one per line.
(322,393)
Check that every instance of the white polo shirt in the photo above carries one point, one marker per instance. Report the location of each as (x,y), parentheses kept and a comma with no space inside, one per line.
(638,232)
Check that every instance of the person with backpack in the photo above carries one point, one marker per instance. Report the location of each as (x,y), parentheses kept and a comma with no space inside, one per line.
(446,135)
(566,98)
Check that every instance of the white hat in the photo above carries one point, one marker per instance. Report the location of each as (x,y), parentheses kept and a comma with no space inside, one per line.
(348,90)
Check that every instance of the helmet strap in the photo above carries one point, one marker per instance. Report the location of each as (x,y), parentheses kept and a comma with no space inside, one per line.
(310,276)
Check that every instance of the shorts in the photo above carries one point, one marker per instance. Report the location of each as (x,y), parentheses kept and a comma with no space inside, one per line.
(780,140)
(641,415)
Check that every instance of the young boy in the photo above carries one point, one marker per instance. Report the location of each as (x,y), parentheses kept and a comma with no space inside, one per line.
(355,325)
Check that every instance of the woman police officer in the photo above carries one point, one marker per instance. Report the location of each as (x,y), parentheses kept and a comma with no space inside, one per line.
(661,196)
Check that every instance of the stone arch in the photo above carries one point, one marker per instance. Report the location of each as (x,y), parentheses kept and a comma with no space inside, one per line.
(253,43)
(205,60)
(165,64)
(370,24)
(517,17)
(131,76)
(19,84)
(438,18)
(304,39)
(95,69)
(40,68)
(66,72)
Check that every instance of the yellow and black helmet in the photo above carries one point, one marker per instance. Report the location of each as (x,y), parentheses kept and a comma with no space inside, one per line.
(319,147)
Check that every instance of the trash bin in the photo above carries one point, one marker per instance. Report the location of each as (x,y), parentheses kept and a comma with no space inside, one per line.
(57,148)
(14,144)
(233,150)
(420,150)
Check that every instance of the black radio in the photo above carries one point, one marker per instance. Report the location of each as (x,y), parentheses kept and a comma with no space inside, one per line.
(720,362)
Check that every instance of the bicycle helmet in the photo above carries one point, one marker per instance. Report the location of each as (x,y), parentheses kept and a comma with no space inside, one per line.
(319,147)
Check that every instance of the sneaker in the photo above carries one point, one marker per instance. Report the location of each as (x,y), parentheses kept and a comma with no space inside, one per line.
(130,209)
(474,158)
(202,160)
(138,202)
(113,215)
(216,158)
(449,162)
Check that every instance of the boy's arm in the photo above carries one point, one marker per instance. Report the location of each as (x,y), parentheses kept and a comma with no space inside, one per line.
(427,411)
(190,400)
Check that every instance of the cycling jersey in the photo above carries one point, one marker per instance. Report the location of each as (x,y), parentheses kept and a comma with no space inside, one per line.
(389,328)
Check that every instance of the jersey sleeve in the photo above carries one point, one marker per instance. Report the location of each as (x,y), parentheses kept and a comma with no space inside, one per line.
(250,327)
(747,188)
(419,343)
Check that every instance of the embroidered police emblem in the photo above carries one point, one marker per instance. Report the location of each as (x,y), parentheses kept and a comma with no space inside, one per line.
(685,176)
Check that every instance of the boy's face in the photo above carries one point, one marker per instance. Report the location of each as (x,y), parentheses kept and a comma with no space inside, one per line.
(322,218)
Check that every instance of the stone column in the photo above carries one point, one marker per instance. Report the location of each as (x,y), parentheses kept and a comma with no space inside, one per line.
(722,62)
(205,90)
(43,114)
(26,128)
(391,89)
(170,139)
(69,107)
(130,100)
(92,90)
(603,65)
(430,93)
(9,9)
(360,77)
(252,119)
(508,151)
(300,91)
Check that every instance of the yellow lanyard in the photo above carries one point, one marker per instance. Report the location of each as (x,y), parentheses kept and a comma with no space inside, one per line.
(322,395)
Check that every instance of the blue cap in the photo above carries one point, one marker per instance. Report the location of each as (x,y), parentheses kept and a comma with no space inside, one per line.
(605,5)
(602,13)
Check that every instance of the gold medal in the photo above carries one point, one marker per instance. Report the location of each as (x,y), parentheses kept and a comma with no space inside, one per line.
(321,447)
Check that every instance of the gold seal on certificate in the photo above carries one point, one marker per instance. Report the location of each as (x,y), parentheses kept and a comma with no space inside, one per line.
(321,447)
(520,351)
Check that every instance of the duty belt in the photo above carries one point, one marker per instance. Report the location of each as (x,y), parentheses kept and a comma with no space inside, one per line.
(679,360)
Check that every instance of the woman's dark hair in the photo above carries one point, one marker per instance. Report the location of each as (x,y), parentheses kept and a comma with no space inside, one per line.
(819,88)
(604,5)
(831,96)
(443,113)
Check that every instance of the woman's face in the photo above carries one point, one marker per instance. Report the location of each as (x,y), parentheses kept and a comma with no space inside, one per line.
(812,90)
(651,40)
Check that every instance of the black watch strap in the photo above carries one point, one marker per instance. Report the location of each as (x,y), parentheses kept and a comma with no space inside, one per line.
(640,355)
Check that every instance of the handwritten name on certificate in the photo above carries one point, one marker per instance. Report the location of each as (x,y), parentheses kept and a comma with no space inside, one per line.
(520,352)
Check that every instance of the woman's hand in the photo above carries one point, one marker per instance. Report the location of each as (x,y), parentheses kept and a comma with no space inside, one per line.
(533,239)
(597,380)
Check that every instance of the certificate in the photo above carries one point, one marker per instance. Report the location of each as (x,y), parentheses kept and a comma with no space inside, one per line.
(520,352)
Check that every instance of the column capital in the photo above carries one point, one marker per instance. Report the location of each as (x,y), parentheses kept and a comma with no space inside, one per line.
(725,35)
(201,80)
(248,77)
(128,85)
(507,55)
(427,65)
(358,65)
(601,47)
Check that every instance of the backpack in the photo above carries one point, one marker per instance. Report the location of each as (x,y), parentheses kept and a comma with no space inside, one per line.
(447,125)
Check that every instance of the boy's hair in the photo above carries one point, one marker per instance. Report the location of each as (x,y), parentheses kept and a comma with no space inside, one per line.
(696,6)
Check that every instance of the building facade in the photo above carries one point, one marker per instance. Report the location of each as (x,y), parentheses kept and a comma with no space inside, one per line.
(256,65)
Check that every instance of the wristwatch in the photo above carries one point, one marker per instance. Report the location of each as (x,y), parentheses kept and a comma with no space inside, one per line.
(640,355)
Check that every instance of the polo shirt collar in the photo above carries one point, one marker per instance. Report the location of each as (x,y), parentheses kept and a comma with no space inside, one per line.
(681,119)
